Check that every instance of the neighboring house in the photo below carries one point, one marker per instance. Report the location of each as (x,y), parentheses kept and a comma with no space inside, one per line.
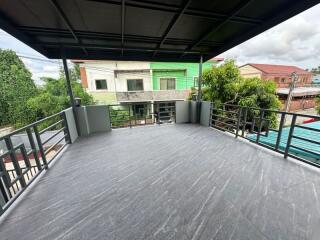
(303,95)
(111,82)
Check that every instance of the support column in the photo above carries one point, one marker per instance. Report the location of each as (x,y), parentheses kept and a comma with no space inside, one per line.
(200,80)
(199,96)
(70,93)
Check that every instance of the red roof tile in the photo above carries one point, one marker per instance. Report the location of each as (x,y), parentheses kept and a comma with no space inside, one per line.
(278,69)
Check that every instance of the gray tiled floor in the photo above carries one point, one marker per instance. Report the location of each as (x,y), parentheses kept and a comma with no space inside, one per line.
(169,182)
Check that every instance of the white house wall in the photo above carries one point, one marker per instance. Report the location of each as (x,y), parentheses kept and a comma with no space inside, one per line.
(106,69)
(121,81)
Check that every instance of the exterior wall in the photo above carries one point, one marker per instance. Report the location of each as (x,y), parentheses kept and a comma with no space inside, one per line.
(304,79)
(104,97)
(248,71)
(121,80)
(183,72)
(299,104)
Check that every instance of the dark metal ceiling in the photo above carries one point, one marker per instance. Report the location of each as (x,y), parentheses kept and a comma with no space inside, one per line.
(152,30)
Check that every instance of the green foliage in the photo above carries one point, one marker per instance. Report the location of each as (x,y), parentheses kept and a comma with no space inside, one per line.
(53,97)
(16,87)
(224,85)
(22,103)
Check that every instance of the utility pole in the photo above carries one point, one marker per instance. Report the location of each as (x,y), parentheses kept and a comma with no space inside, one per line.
(294,77)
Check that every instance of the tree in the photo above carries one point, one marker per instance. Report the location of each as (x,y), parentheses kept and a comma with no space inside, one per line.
(224,85)
(53,97)
(16,88)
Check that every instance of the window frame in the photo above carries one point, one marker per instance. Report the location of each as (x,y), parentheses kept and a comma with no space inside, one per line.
(102,89)
(175,83)
(135,79)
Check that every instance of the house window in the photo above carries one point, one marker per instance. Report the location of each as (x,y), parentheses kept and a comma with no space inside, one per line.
(135,84)
(167,83)
(101,84)
(283,80)
(277,79)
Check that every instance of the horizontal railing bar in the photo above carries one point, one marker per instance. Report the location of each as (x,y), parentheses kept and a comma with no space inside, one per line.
(307,128)
(55,144)
(306,150)
(224,123)
(165,112)
(304,160)
(222,129)
(221,110)
(30,125)
(232,119)
(305,139)
(51,126)
(3,155)
(275,111)
(54,135)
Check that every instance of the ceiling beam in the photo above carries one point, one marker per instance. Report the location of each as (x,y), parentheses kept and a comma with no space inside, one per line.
(174,20)
(67,22)
(47,32)
(104,47)
(235,11)
(123,17)
(194,12)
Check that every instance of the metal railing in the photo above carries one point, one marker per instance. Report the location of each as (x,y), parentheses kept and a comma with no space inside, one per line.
(291,134)
(25,152)
(138,114)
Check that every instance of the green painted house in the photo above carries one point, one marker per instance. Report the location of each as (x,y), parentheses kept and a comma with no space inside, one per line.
(175,75)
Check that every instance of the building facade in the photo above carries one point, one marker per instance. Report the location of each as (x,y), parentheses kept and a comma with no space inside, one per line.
(112,82)
(303,95)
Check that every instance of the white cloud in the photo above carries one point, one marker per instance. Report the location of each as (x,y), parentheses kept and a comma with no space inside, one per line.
(293,42)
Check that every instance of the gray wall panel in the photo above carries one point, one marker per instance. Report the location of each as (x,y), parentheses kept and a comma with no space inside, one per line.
(71,124)
(205,113)
(182,111)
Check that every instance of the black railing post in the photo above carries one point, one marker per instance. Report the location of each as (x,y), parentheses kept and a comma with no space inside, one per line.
(238,121)
(130,115)
(33,148)
(15,162)
(244,121)
(43,155)
(260,125)
(293,123)
(210,118)
(283,116)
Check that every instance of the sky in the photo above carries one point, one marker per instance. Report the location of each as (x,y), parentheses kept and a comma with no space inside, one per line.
(293,42)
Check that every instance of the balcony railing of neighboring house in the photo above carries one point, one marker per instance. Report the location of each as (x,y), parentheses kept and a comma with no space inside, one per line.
(157,95)
(291,134)
(26,152)
(137,114)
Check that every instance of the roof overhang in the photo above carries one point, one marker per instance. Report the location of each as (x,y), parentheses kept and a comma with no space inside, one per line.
(145,30)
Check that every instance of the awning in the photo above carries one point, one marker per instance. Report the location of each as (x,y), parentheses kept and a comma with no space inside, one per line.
(150,30)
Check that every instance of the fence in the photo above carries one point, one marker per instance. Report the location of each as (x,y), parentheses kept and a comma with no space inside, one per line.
(137,114)
(22,162)
(291,134)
